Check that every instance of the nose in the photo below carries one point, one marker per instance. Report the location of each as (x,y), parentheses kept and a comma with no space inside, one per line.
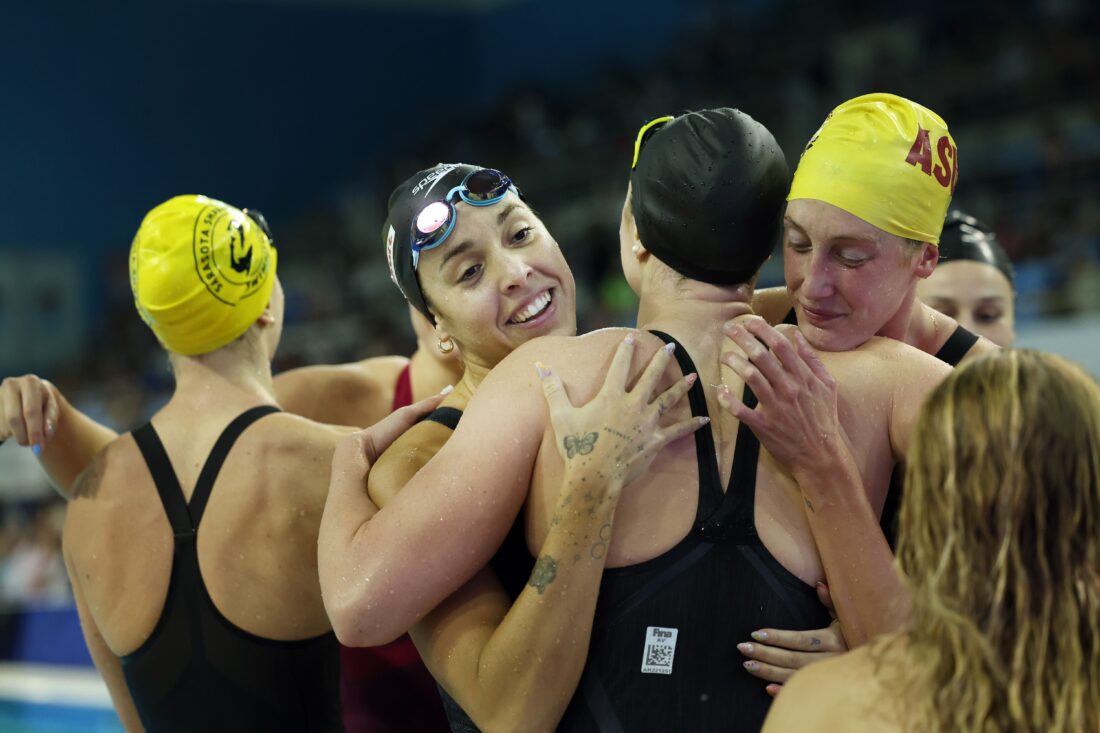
(817,281)
(515,273)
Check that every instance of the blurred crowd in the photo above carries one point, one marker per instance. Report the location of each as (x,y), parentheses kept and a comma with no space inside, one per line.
(1018,84)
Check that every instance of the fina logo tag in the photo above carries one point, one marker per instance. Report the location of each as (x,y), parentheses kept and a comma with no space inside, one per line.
(221,267)
(660,648)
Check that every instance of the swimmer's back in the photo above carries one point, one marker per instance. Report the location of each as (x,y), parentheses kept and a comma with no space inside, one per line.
(256,543)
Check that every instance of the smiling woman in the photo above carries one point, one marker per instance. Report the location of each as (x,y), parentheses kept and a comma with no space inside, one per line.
(469,253)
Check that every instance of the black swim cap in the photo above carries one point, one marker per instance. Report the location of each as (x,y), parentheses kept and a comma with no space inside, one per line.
(406,201)
(966,238)
(708,193)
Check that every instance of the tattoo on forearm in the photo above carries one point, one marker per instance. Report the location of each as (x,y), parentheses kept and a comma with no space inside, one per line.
(809,505)
(546,569)
(580,445)
(600,548)
(815,642)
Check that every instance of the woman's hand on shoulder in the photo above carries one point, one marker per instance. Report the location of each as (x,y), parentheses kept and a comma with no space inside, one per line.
(618,432)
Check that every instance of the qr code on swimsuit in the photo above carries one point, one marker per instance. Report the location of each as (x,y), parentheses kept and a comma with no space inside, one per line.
(659,650)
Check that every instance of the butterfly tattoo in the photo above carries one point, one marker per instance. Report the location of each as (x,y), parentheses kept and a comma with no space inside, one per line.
(579,445)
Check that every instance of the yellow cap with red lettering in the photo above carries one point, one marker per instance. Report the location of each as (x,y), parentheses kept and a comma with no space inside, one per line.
(202,272)
(885,159)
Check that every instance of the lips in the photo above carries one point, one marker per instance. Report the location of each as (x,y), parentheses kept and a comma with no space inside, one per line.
(535,310)
(817,316)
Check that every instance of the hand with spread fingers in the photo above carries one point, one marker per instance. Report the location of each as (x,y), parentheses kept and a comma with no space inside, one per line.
(776,654)
(30,410)
(796,417)
(620,429)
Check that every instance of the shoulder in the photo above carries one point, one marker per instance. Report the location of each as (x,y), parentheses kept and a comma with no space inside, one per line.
(825,696)
(771,304)
(405,456)
(287,438)
(576,359)
(358,394)
(982,347)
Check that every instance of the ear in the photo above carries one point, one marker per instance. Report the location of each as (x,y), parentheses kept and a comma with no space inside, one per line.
(267,318)
(927,260)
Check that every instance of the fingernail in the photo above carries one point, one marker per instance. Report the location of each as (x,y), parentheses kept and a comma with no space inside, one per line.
(670,348)
(50,427)
(750,665)
(773,689)
(629,339)
(37,449)
(691,378)
(820,585)
(759,635)
(745,647)
(542,370)
(704,420)
(447,390)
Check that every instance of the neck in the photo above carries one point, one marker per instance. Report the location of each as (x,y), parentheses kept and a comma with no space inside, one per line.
(678,308)
(223,374)
(918,325)
(430,374)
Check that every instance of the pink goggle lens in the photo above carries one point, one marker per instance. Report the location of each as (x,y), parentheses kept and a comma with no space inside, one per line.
(432,217)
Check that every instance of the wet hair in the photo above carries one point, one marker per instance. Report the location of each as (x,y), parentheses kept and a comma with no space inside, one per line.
(1000,540)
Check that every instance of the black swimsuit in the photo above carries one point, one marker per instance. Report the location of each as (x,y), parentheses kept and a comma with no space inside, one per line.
(663,655)
(197,671)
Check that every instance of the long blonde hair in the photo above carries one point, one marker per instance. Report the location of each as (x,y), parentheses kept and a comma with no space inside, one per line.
(1000,538)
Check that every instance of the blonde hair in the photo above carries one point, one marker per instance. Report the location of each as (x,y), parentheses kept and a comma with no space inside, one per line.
(1000,538)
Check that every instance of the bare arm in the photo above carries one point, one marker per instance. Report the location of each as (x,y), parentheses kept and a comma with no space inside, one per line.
(35,413)
(797,422)
(358,394)
(771,304)
(480,649)
(381,572)
(106,662)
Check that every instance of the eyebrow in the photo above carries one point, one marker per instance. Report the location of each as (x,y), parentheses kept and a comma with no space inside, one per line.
(835,238)
(465,246)
(459,249)
(505,212)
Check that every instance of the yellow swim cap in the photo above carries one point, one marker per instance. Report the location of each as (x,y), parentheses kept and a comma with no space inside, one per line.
(885,159)
(202,273)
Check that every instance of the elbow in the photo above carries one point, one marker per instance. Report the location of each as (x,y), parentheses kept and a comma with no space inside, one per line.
(360,624)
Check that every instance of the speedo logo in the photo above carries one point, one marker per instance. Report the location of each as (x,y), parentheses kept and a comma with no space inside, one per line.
(432,178)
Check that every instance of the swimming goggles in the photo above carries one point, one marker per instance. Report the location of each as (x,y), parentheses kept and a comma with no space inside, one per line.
(258,219)
(645,133)
(436,221)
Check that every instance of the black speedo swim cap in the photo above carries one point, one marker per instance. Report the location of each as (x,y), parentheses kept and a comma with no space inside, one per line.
(406,201)
(708,193)
(966,238)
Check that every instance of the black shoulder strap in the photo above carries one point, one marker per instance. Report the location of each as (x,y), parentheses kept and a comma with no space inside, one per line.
(957,346)
(448,417)
(710,489)
(214,462)
(164,478)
